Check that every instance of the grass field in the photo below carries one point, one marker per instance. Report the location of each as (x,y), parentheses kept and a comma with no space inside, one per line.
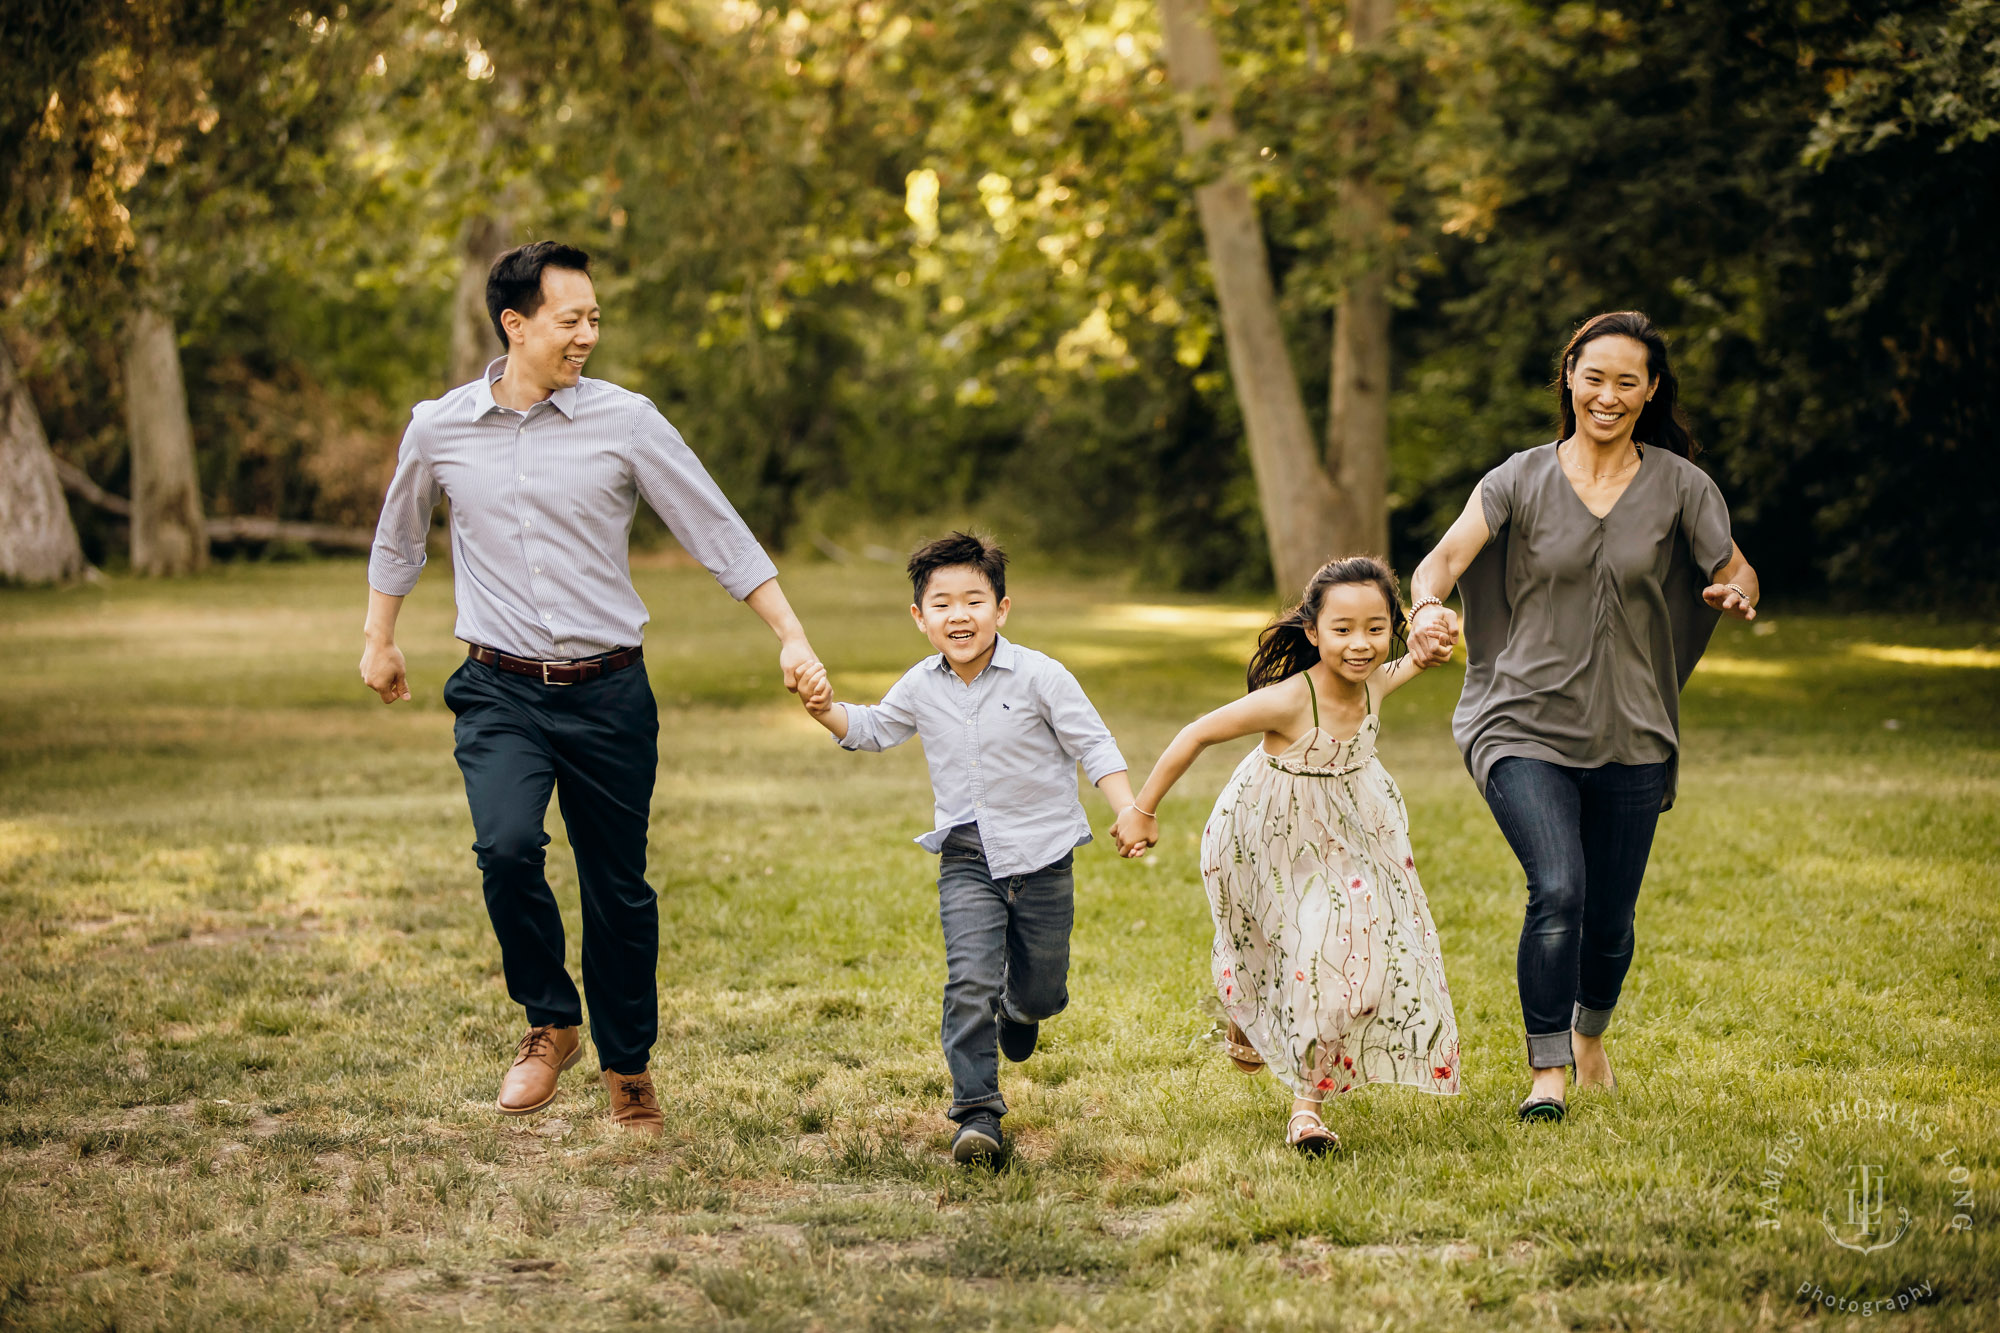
(251,1016)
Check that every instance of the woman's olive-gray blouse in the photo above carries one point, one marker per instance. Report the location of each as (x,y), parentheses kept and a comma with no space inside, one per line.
(1580,631)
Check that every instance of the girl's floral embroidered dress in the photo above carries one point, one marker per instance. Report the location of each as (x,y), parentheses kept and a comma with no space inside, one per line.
(1325,953)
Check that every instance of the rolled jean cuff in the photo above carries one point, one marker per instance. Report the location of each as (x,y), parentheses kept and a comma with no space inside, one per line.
(961,1112)
(1590,1022)
(1549,1050)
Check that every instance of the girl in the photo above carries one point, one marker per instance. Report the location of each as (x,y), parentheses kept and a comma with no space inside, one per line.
(1325,957)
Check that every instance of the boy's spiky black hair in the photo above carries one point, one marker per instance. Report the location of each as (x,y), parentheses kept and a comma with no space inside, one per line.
(958,548)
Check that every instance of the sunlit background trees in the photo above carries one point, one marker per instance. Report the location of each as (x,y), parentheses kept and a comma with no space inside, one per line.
(1026,259)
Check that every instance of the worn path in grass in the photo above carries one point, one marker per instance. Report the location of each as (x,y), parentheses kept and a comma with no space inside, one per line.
(251,1016)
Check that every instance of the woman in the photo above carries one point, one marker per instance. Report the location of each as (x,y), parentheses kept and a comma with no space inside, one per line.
(1593,570)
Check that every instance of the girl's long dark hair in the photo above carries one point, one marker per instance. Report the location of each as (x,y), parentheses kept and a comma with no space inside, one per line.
(1283,650)
(1660,421)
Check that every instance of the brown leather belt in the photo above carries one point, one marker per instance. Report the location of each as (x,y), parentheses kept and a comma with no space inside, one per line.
(569,671)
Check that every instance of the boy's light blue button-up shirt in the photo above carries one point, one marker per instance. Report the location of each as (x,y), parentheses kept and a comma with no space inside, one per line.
(1002,751)
(541,514)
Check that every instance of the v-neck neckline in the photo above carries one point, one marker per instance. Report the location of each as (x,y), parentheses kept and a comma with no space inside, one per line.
(1570,486)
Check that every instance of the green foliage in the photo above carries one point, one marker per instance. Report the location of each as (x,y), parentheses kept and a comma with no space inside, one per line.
(1829,291)
(888,261)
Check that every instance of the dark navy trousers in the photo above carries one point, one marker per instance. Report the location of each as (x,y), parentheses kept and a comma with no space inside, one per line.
(596,747)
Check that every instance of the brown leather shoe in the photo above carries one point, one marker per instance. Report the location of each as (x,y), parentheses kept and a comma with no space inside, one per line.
(633,1104)
(531,1083)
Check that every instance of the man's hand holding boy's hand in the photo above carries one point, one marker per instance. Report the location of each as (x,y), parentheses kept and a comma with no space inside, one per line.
(815,690)
(1135,831)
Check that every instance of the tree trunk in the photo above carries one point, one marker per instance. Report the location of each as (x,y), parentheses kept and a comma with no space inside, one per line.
(1301,509)
(37,539)
(473,343)
(1357,423)
(168,535)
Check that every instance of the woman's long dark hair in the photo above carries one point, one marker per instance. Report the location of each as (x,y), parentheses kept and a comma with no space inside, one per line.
(1660,421)
(1283,650)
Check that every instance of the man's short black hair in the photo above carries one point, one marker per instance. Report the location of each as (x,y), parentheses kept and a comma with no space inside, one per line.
(515,281)
(959,548)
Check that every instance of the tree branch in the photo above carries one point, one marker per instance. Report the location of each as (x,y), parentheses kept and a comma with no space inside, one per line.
(222,530)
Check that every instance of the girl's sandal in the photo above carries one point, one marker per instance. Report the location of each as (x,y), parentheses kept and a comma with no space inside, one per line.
(1311,1137)
(1241,1053)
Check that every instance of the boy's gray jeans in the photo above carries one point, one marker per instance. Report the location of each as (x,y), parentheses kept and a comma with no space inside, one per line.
(1006,945)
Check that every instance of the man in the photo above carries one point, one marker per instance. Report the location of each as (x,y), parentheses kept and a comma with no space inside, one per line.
(542,467)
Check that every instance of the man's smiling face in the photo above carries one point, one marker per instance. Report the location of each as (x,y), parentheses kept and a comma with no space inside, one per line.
(548,348)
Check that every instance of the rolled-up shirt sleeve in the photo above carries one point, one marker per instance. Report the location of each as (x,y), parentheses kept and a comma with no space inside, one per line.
(397,559)
(1081,731)
(884,725)
(673,481)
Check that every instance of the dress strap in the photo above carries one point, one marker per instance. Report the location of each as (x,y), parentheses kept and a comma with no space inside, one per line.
(1367,700)
(1312,694)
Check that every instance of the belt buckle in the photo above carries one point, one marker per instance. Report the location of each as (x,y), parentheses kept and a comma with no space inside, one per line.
(560,662)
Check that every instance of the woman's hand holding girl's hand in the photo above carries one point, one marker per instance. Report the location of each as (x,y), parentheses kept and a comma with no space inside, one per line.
(1135,831)
(1430,645)
(1433,634)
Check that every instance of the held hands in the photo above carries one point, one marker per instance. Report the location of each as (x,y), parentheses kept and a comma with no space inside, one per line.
(1433,635)
(815,691)
(1729,599)
(1135,831)
(383,671)
(794,656)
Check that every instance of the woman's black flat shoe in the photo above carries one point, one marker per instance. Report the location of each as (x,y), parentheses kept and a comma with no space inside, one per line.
(1543,1108)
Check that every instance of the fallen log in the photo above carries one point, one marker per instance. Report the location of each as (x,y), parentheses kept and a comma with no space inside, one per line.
(247,528)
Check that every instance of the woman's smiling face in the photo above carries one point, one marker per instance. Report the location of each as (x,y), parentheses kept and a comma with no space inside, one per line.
(1609,387)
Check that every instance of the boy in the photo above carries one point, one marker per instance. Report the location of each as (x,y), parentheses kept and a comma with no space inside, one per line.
(1003,728)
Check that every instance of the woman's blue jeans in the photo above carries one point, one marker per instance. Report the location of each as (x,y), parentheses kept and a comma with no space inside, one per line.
(1006,946)
(1583,836)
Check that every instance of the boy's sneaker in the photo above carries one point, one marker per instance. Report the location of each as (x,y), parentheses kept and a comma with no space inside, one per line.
(978,1140)
(1017,1039)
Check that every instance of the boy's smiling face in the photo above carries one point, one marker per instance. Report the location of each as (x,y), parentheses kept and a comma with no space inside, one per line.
(961,617)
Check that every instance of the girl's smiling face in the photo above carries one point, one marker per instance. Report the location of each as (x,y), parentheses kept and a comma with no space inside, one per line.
(1352,631)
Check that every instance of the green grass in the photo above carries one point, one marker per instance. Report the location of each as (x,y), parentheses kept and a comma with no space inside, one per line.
(251,1016)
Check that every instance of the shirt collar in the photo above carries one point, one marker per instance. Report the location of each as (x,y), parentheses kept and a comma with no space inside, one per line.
(1004,656)
(564,399)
